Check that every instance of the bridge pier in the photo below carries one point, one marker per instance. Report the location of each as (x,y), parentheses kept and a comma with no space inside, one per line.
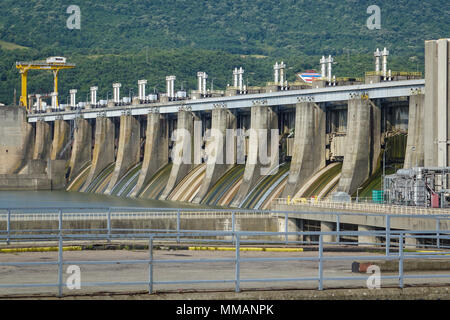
(362,149)
(293,225)
(156,153)
(216,150)
(43,140)
(82,147)
(128,151)
(183,153)
(309,146)
(61,137)
(263,119)
(414,156)
(364,240)
(326,226)
(103,154)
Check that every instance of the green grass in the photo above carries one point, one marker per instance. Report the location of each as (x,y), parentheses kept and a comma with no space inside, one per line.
(11,46)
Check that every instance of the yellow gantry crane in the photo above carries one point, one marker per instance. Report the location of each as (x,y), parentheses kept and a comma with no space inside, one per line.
(53,63)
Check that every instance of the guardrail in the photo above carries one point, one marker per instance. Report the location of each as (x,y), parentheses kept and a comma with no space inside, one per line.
(363,207)
(401,256)
(108,215)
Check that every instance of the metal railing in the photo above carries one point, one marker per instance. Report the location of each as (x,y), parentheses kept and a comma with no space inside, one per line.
(440,222)
(237,239)
(360,206)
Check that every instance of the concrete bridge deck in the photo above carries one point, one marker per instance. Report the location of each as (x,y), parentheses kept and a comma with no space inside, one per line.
(391,89)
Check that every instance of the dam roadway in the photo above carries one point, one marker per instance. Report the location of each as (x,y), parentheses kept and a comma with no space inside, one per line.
(393,89)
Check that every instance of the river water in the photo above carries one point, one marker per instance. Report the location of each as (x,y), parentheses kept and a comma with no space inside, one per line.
(63,199)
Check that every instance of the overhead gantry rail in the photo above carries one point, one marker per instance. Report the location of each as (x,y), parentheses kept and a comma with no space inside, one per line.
(55,64)
(382,90)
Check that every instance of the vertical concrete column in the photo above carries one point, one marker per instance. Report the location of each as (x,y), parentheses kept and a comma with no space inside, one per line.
(205,77)
(411,242)
(282,68)
(200,81)
(73,98)
(414,149)
(377,55)
(216,149)
(43,143)
(183,151)
(323,63)
(103,148)
(293,225)
(38,103)
(308,155)
(156,149)
(364,240)
(235,77)
(17,139)
(141,84)
(276,71)
(82,147)
(116,92)
(328,227)
(128,151)
(61,136)
(385,54)
(357,160)
(54,96)
(263,119)
(437,103)
(241,80)
(94,95)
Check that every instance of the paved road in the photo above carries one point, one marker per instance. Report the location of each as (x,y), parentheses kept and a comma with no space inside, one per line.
(183,271)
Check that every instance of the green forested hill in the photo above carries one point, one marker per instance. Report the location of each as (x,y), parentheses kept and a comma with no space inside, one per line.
(124,40)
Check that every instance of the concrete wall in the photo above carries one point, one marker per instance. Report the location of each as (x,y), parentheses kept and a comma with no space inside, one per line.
(16,139)
(265,118)
(156,153)
(103,148)
(362,148)
(216,224)
(415,149)
(309,146)
(21,182)
(183,151)
(43,143)
(379,221)
(61,136)
(128,152)
(437,103)
(82,147)
(216,151)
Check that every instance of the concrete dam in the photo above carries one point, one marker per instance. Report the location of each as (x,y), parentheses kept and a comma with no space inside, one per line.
(241,147)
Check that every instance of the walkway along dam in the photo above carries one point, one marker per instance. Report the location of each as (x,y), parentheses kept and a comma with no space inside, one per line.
(242,147)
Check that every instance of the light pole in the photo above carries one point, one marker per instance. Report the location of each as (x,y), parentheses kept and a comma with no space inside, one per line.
(357,194)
